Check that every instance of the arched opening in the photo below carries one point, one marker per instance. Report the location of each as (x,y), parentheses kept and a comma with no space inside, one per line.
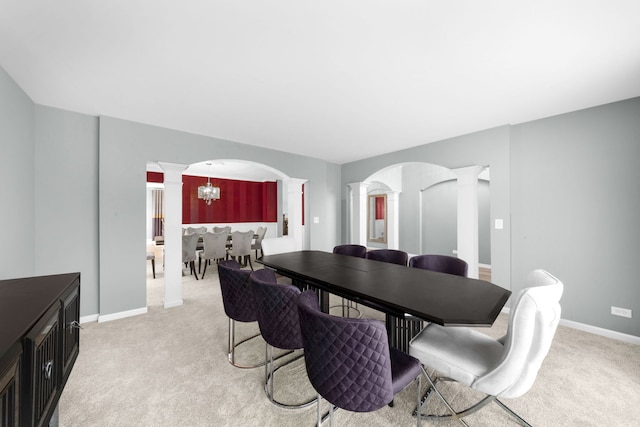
(423,201)
(252,195)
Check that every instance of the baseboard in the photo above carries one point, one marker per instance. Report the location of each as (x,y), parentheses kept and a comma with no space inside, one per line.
(619,336)
(121,315)
(632,339)
(89,319)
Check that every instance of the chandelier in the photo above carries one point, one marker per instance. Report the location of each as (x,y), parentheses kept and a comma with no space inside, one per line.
(208,192)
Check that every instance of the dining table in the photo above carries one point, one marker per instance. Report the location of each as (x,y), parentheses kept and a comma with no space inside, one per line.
(398,291)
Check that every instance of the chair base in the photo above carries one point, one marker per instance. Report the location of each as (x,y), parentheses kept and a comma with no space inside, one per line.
(458,415)
(332,408)
(347,307)
(268,384)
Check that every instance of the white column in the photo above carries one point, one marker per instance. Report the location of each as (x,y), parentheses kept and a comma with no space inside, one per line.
(294,203)
(468,216)
(393,227)
(172,233)
(358,213)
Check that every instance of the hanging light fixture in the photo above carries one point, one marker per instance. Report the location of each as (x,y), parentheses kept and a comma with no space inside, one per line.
(208,192)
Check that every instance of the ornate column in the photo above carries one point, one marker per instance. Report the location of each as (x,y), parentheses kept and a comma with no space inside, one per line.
(468,216)
(358,218)
(294,203)
(393,226)
(172,233)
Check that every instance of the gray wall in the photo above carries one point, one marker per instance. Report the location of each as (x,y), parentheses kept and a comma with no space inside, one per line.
(568,190)
(17,201)
(66,214)
(126,147)
(575,209)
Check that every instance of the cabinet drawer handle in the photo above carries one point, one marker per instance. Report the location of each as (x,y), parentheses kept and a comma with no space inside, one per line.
(74,325)
(48,368)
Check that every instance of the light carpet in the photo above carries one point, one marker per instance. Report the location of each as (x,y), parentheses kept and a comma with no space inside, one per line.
(169,368)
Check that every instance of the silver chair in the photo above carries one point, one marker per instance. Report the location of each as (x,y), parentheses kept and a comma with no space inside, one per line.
(506,367)
(241,246)
(278,245)
(215,248)
(189,244)
(225,229)
(257,245)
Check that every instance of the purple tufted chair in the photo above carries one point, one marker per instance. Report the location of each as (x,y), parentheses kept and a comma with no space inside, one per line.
(349,361)
(279,324)
(440,263)
(239,306)
(358,251)
(393,256)
(351,250)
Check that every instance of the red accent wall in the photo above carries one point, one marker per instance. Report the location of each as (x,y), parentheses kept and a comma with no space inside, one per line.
(379,207)
(155,177)
(240,201)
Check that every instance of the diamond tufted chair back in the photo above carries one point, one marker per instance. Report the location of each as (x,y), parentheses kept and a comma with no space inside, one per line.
(238,302)
(277,310)
(393,256)
(349,361)
(440,263)
(237,296)
(351,250)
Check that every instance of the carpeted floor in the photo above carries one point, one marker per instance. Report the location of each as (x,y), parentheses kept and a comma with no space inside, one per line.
(169,368)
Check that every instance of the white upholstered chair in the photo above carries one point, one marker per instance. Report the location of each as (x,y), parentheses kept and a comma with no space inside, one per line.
(278,245)
(503,368)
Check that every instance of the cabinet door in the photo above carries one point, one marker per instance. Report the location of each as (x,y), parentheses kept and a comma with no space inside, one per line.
(42,349)
(10,393)
(71,332)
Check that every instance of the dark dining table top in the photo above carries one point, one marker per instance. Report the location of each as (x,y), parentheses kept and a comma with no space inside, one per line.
(441,298)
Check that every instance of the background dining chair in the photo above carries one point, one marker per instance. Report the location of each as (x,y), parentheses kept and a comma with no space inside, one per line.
(241,246)
(225,229)
(277,313)
(257,244)
(357,251)
(351,250)
(278,245)
(196,230)
(152,256)
(506,367)
(215,248)
(440,263)
(189,244)
(349,361)
(393,256)
(433,262)
(238,302)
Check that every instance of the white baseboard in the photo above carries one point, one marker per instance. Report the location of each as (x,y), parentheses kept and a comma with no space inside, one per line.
(89,319)
(176,303)
(121,315)
(632,339)
(601,331)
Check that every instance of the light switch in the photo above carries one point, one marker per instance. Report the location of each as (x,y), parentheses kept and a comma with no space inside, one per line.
(499,224)
(316,220)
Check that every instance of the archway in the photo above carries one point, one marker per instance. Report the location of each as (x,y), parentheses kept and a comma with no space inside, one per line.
(289,202)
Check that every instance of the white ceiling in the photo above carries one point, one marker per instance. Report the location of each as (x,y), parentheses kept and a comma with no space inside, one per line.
(338,80)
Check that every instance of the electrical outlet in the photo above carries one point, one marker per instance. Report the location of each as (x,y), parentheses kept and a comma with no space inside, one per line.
(624,312)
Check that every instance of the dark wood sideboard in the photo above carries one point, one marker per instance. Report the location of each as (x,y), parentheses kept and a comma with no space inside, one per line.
(39,344)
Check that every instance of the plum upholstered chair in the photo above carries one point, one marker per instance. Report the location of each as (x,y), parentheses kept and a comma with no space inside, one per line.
(349,361)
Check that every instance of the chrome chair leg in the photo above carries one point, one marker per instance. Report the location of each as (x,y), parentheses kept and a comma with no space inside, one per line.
(468,411)
(231,353)
(270,371)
